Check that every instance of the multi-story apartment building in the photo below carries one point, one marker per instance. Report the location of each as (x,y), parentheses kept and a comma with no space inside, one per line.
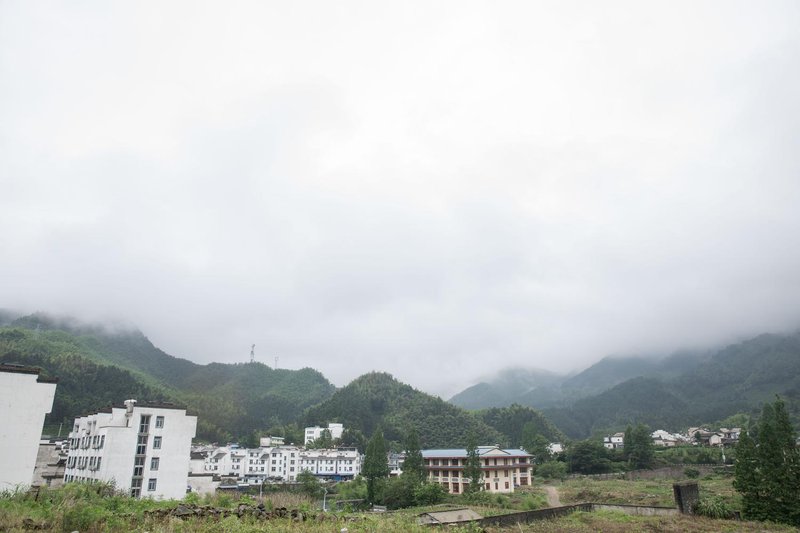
(25,399)
(338,464)
(315,432)
(502,469)
(142,448)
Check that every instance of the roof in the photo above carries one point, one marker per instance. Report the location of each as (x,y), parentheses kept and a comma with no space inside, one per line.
(482,450)
(16,368)
(450,516)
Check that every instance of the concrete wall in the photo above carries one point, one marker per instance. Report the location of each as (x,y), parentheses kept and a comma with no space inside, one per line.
(24,402)
(637,510)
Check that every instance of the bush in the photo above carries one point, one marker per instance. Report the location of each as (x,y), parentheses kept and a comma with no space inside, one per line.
(429,494)
(552,470)
(691,473)
(712,508)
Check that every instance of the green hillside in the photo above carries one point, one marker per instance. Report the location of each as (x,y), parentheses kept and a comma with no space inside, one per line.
(378,399)
(735,379)
(97,367)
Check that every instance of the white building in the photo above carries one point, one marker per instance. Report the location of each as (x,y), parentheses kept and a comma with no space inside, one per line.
(142,448)
(615,441)
(315,432)
(25,399)
(337,464)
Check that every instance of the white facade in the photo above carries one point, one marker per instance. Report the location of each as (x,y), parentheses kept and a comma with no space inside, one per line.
(255,465)
(315,432)
(143,449)
(339,464)
(25,399)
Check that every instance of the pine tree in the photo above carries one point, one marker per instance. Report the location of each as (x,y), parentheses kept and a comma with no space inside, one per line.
(767,471)
(413,465)
(376,464)
(472,468)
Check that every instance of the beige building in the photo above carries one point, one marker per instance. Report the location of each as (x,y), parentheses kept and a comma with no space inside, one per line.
(502,469)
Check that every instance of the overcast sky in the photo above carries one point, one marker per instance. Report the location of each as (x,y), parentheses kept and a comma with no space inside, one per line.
(433,189)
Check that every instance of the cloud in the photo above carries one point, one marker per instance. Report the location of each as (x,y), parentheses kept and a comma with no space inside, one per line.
(427,190)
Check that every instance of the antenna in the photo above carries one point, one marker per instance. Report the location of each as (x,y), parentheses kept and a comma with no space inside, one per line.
(253,353)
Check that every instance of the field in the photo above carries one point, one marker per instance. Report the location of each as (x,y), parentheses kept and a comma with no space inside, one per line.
(656,492)
(96,508)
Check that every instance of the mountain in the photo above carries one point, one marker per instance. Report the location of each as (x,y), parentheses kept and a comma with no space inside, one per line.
(377,399)
(97,366)
(734,379)
(512,385)
(541,389)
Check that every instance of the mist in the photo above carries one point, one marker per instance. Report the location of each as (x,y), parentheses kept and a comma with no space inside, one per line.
(436,191)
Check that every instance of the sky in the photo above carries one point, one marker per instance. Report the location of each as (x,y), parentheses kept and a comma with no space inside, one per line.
(431,189)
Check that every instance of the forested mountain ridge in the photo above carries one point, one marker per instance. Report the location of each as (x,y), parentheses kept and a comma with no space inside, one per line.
(542,389)
(378,400)
(735,379)
(97,366)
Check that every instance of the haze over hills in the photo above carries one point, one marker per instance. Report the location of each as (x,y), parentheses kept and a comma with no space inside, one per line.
(672,393)
(538,388)
(97,366)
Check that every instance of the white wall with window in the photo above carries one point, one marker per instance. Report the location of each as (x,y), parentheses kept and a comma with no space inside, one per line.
(142,448)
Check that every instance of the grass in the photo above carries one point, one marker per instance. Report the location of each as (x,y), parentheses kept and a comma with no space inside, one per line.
(98,508)
(644,492)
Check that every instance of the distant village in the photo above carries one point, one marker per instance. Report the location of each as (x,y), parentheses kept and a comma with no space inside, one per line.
(146,449)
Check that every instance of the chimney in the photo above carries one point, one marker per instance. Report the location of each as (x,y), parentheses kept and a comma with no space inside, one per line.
(129,404)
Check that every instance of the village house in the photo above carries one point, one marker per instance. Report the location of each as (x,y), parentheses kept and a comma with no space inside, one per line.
(314,432)
(143,448)
(615,441)
(25,399)
(339,464)
(502,469)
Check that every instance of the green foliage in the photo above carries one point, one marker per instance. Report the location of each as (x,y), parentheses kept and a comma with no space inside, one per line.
(725,386)
(472,467)
(97,367)
(399,492)
(377,399)
(588,457)
(712,507)
(376,464)
(413,465)
(521,425)
(552,470)
(691,473)
(429,494)
(768,468)
(639,447)
(309,483)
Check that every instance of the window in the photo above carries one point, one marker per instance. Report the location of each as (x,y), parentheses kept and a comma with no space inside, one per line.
(151,484)
(154,463)
(144,424)
(156,443)
(138,466)
(141,445)
(136,488)
(159,421)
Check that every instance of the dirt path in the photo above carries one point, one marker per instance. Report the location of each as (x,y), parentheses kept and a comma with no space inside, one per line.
(553,500)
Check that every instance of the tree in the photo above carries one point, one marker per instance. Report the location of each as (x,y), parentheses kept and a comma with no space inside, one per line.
(324,442)
(588,457)
(767,471)
(309,482)
(376,464)
(639,449)
(472,468)
(413,465)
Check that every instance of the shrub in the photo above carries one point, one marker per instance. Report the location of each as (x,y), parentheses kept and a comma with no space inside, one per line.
(712,508)
(429,494)
(691,473)
(552,470)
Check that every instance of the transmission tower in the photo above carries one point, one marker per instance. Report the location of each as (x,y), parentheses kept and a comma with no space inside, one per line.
(253,353)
